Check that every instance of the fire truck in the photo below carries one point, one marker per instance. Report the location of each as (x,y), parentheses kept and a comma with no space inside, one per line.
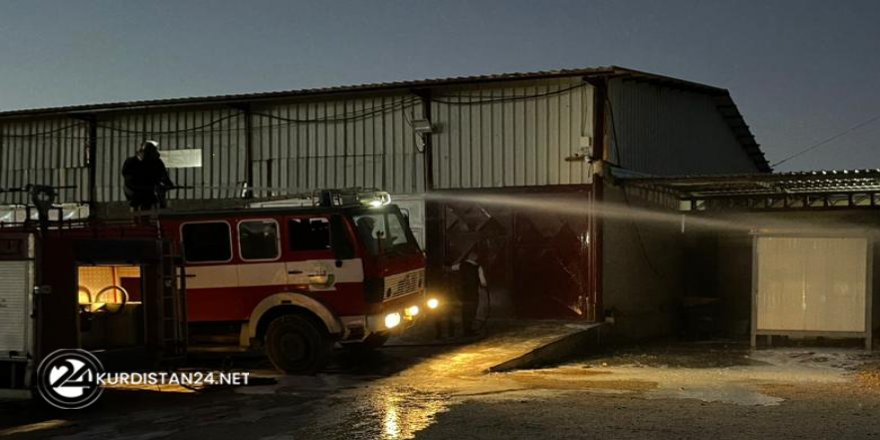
(342,267)
(107,287)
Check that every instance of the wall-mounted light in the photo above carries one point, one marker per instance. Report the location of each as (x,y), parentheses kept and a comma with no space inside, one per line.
(422,126)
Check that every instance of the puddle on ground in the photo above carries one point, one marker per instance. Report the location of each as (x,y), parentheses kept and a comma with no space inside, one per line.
(379,412)
(400,406)
(745,396)
(577,379)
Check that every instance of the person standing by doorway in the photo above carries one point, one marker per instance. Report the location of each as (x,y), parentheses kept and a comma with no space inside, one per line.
(472,285)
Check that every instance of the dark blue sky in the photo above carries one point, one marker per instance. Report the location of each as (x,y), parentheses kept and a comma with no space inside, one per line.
(800,71)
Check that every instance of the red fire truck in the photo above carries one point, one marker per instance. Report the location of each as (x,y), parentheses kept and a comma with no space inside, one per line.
(297,280)
(105,287)
(292,280)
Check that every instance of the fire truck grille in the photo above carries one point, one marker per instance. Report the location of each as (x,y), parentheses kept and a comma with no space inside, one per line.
(405,283)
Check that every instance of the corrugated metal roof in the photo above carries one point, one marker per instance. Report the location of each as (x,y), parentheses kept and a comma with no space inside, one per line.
(779,184)
(722,97)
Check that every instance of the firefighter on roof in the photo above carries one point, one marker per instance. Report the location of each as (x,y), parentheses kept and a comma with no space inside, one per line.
(145,178)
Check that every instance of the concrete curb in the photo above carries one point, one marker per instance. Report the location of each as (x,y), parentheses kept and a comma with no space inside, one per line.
(566,347)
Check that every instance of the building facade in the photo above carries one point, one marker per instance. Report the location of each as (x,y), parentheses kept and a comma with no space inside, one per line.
(454,151)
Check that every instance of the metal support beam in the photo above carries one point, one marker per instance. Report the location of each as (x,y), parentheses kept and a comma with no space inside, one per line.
(91,153)
(248,192)
(92,149)
(425,95)
(600,153)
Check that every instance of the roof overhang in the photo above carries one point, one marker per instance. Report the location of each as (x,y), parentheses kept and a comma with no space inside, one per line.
(763,191)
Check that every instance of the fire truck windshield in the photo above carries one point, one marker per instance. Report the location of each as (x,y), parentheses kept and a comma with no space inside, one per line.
(384,231)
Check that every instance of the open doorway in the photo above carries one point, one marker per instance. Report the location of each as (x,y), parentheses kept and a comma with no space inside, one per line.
(110,305)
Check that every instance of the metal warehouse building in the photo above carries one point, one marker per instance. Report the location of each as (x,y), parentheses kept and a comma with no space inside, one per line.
(540,135)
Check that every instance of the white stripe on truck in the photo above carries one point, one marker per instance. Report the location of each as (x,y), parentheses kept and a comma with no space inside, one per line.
(276,273)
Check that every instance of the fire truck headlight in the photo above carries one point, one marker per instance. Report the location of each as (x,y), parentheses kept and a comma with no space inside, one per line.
(433,303)
(412,310)
(392,320)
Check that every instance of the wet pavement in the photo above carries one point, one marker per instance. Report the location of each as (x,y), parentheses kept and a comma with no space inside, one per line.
(442,391)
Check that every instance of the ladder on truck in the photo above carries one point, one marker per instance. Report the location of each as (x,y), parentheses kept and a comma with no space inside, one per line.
(172,331)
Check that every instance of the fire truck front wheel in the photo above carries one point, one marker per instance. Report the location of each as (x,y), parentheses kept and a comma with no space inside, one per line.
(296,345)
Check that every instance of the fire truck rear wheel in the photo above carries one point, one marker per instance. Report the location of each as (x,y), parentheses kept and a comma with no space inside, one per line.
(296,345)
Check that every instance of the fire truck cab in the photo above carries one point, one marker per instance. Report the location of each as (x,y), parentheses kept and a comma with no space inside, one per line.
(297,280)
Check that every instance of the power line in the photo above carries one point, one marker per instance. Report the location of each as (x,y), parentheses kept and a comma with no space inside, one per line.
(346,117)
(210,126)
(45,133)
(182,130)
(478,101)
(829,139)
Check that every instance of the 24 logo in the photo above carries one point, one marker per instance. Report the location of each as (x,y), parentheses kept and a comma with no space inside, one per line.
(68,379)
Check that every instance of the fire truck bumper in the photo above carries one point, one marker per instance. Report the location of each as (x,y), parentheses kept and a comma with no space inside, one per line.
(397,316)
(358,328)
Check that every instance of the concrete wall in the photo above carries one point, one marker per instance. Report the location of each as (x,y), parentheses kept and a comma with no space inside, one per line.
(642,269)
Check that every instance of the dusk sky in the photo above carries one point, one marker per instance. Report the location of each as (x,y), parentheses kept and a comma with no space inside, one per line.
(800,71)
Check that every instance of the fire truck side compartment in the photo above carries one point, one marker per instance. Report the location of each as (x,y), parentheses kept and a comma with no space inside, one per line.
(65,254)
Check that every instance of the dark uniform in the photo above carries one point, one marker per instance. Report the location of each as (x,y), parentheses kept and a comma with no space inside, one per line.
(469,294)
(146,179)
(467,284)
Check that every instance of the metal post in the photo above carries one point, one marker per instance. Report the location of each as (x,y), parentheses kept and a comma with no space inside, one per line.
(869,294)
(754,295)
(599,155)
(91,159)
(93,165)
(248,193)
(425,95)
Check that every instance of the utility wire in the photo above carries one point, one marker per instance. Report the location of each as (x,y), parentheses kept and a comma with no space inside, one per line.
(454,100)
(44,133)
(182,130)
(346,117)
(478,101)
(201,128)
(829,139)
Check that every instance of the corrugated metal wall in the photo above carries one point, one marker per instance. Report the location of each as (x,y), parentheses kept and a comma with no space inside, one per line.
(363,142)
(664,130)
(50,152)
(219,133)
(502,134)
(512,135)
